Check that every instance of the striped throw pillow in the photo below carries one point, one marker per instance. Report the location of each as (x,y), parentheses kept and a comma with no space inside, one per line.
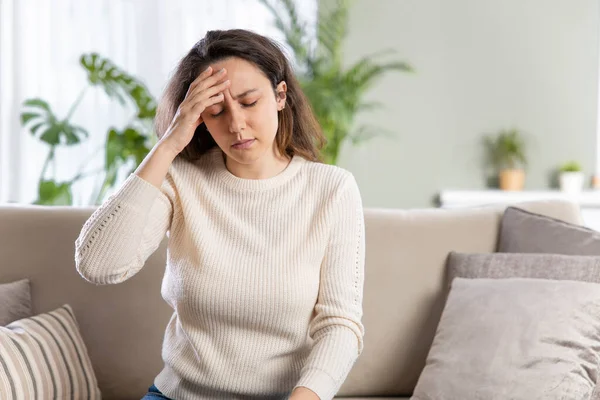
(44,357)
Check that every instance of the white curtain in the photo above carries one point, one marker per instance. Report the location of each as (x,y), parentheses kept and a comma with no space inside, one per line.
(40,45)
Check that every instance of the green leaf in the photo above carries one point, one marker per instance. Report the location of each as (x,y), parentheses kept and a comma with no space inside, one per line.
(52,135)
(292,28)
(72,132)
(39,103)
(332,28)
(363,73)
(113,148)
(48,128)
(26,117)
(34,129)
(53,193)
(118,84)
(124,146)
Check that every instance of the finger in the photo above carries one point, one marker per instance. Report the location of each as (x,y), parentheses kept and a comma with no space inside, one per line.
(201,105)
(203,75)
(209,92)
(211,80)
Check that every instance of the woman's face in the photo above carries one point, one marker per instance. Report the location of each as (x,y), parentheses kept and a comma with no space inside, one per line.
(245,123)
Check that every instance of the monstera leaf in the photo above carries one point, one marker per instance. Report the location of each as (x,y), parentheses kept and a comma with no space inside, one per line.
(121,147)
(118,84)
(125,145)
(43,124)
(51,193)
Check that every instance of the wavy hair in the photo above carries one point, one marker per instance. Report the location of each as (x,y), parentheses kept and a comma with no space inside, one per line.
(298,130)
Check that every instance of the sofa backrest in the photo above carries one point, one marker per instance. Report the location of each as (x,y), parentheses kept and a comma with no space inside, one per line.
(123,325)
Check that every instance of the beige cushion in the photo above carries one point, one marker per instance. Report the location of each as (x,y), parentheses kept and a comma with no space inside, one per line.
(15,301)
(515,338)
(44,357)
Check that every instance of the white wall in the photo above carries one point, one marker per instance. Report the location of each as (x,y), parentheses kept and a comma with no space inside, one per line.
(481,65)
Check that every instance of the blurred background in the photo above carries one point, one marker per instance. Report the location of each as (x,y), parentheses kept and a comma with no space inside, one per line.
(429,103)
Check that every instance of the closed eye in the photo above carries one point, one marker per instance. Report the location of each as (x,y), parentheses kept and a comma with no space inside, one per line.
(250,105)
(243,105)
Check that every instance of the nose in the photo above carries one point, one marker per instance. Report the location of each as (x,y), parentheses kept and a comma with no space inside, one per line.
(237,122)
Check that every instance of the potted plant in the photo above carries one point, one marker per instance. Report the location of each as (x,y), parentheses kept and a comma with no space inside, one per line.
(335,89)
(506,152)
(123,146)
(571,177)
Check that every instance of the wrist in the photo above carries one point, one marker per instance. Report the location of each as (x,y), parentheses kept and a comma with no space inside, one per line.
(167,149)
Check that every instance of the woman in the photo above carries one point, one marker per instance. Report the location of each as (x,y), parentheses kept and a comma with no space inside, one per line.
(265,263)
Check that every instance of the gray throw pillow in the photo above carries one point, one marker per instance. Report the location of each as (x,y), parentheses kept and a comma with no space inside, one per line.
(523,265)
(15,301)
(522,231)
(515,338)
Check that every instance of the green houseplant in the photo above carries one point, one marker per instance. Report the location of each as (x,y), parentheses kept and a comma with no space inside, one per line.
(335,92)
(506,153)
(123,146)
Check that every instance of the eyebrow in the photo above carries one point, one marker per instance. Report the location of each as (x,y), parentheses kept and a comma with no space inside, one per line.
(246,93)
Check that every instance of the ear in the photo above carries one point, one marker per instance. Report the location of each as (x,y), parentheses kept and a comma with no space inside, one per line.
(281,92)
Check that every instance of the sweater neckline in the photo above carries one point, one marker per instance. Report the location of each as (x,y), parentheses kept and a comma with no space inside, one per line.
(253,184)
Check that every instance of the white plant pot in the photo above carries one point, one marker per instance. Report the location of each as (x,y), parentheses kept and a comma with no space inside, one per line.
(571,182)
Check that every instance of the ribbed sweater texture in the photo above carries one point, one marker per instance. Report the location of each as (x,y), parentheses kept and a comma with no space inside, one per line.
(265,276)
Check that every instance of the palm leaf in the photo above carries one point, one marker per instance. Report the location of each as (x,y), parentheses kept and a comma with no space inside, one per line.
(291,27)
(363,73)
(332,29)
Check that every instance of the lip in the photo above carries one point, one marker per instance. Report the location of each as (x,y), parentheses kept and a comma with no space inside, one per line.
(243,144)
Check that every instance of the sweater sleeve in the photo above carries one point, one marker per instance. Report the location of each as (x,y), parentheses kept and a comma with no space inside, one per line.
(337,329)
(124,231)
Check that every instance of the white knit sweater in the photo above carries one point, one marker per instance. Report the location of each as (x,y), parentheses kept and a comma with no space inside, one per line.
(265,276)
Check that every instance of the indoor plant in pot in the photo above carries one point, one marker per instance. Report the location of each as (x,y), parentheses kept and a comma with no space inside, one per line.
(506,152)
(571,177)
(124,149)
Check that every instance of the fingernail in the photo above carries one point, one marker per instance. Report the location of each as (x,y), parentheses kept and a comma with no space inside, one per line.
(206,70)
(222,70)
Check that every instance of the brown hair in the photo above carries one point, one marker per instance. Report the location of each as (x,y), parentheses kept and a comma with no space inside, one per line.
(298,131)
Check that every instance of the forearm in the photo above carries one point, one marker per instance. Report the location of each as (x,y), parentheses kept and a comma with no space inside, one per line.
(118,237)
(155,166)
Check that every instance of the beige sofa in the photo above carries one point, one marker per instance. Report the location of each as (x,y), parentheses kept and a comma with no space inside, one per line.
(122,325)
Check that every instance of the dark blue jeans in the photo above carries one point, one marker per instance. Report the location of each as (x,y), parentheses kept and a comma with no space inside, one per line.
(154,394)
